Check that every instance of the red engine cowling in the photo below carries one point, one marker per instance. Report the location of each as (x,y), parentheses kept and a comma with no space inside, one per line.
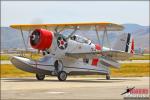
(41,39)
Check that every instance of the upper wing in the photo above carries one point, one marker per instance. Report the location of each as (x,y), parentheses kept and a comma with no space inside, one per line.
(101,26)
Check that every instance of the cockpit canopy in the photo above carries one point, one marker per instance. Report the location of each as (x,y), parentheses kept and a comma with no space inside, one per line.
(80,39)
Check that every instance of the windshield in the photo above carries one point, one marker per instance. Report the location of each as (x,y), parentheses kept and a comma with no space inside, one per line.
(79,36)
(80,39)
(66,33)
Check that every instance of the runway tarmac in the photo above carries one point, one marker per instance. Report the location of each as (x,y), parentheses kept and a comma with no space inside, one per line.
(73,88)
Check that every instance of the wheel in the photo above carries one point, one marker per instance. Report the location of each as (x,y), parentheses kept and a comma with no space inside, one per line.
(108,77)
(40,76)
(62,76)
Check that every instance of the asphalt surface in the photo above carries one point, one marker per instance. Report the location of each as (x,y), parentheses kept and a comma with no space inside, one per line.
(73,88)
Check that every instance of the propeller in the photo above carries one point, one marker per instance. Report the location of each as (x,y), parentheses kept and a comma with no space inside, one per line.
(35,38)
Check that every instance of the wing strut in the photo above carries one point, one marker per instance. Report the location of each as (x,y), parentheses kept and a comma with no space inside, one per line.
(105,34)
(29,33)
(75,29)
(97,35)
(58,32)
(45,27)
(23,39)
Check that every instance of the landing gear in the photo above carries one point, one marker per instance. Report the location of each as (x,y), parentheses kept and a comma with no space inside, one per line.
(58,66)
(108,77)
(62,76)
(40,76)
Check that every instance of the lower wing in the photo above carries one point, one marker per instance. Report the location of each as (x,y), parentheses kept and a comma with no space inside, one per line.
(114,55)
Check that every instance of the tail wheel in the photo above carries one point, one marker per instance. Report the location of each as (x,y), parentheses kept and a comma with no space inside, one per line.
(40,76)
(62,76)
(108,77)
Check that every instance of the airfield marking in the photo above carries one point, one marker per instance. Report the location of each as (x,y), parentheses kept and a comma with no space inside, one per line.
(55,92)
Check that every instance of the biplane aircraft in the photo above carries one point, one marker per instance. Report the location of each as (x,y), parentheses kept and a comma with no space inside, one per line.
(73,54)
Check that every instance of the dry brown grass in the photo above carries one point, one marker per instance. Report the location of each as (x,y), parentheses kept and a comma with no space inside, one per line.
(132,70)
(126,70)
(33,56)
(142,57)
(8,70)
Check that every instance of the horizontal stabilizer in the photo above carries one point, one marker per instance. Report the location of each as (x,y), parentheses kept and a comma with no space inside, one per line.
(116,55)
(109,62)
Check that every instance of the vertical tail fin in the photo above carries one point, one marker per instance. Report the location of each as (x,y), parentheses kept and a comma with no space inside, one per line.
(125,42)
(132,46)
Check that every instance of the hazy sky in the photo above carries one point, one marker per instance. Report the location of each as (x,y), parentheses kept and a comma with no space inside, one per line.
(23,12)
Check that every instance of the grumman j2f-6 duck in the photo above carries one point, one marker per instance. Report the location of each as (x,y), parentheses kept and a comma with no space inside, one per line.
(73,54)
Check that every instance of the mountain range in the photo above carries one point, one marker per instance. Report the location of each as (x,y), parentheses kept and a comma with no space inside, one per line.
(10,38)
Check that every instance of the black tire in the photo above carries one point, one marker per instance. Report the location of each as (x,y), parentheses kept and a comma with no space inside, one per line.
(107,77)
(40,76)
(62,76)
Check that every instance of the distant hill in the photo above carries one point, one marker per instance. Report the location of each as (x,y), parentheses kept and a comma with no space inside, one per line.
(10,38)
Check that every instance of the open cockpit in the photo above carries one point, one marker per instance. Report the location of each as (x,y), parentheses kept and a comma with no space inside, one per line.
(80,39)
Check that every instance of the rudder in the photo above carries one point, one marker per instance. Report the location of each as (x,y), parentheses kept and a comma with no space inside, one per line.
(125,43)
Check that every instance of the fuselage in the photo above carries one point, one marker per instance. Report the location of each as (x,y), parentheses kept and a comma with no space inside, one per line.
(59,47)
